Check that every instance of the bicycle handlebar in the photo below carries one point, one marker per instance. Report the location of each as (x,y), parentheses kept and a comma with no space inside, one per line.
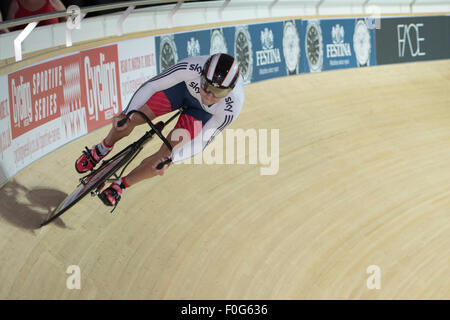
(163,163)
(120,123)
(150,123)
(155,128)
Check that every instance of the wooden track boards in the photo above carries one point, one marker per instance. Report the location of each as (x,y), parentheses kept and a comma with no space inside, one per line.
(364,179)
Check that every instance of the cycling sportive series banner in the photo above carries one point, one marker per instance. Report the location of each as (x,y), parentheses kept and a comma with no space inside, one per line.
(47,105)
(45,110)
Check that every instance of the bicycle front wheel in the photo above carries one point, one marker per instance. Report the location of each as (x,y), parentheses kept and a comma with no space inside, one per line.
(92,181)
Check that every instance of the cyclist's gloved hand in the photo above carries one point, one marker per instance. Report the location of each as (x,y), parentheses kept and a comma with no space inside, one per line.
(115,121)
(162,155)
(162,170)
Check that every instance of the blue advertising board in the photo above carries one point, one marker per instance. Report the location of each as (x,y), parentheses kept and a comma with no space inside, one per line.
(267,43)
(191,44)
(292,46)
(171,48)
(222,40)
(337,43)
(337,38)
(364,42)
(311,58)
(275,49)
(243,52)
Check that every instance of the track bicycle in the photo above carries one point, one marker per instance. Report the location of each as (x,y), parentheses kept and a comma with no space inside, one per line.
(113,168)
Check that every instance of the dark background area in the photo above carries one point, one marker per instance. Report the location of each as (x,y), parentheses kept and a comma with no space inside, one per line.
(4,5)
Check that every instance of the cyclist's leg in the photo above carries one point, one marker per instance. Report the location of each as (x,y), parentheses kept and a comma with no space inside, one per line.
(156,106)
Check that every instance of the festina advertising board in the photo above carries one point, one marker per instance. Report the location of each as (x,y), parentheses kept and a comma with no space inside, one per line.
(337,43)
(243,51)
(267,45)
(191,44)
(347,43)
(222,40)
(363,42)
(330,44)
(171,48)
(166,52)
(311,58)
(264,51)
(407,39)
(137,62)
(292,46)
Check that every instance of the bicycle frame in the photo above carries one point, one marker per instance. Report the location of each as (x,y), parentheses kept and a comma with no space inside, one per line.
(128,154)
(139,144)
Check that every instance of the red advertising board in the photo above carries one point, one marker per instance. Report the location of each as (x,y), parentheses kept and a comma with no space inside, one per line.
(100,82)
(41,93)
(36,94)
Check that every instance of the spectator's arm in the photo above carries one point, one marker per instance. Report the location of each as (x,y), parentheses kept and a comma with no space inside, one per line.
(59,6)
(13,7)
(3,30)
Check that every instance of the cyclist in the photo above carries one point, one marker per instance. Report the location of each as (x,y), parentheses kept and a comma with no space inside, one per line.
(210,89)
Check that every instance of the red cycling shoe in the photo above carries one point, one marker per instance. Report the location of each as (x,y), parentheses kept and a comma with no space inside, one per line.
(111,195)
(89,159)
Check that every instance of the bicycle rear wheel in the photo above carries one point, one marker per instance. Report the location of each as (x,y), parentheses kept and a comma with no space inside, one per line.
(92,181)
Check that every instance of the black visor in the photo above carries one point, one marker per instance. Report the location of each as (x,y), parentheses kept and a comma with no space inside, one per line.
(216,91)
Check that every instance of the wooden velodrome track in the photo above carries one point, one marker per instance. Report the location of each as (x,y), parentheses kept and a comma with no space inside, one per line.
(364,179)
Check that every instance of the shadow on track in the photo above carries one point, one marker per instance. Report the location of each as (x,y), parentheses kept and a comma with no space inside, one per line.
(27,208)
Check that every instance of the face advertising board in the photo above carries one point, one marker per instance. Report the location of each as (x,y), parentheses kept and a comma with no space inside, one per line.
(408,39)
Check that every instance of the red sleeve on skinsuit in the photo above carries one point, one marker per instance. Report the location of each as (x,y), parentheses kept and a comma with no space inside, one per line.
(159,104)
(192,125)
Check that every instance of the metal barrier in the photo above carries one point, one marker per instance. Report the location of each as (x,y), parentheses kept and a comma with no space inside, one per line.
(75,14)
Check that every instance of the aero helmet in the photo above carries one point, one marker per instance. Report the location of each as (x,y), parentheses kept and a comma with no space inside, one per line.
(219,74)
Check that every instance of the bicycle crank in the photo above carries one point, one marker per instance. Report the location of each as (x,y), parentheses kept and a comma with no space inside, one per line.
(97,190)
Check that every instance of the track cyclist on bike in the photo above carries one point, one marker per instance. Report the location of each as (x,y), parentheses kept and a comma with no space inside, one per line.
(210,89)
